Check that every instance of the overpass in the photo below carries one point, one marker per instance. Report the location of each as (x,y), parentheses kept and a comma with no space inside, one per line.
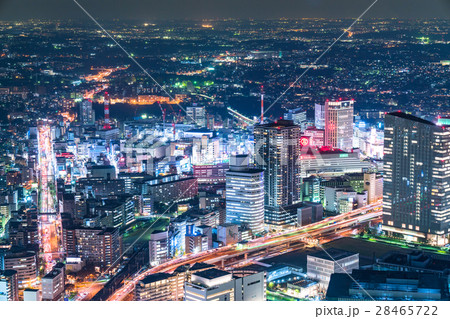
(241,117)
(270,245)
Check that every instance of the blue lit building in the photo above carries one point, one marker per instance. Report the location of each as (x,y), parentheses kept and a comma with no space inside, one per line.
(386,285)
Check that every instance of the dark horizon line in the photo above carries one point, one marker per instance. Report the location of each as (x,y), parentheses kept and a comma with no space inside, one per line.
(219,19)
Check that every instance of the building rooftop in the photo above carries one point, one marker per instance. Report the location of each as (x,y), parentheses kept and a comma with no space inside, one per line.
(418,260)
(333,254)
(411,118)
(340,284)
(278,124)
(181,269)
(20,254)
(248,270)
(199,266)
(212,273)
(52,274)
(154,278)
(7,273)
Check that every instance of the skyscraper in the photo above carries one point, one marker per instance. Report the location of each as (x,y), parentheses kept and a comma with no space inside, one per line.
(416,190)
(339,124)
(319,116)
(277,152)
(297,115)
(87,116)
(245,194)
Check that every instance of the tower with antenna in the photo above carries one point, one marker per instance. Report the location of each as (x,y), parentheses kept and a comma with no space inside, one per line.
(262,104)
(107,125)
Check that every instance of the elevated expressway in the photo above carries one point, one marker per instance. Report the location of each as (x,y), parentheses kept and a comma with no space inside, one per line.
(270,245)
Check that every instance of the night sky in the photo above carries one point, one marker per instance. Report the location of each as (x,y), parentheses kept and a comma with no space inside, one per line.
(195,9)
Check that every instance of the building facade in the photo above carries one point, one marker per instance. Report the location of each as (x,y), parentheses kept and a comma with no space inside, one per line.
(298,116)
(25,263)
(210,285)
(155,287)
(158,247)
(87,116)
(97,246)
(53,284)
(320,266)
(339,124)
(9,285)
(277,152)
(416,187)
(245,194)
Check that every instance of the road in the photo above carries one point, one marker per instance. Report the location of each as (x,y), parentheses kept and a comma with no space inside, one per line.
(264,247)
(101,80)
(89,290)
(49,219)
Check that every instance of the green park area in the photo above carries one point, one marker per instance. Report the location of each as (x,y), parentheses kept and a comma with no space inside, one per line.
(401,243)
(370,245)
(141,229)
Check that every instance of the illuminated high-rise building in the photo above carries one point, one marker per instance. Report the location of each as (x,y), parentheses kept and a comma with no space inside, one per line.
(155,287)
(87,116)
(97,246)
(25,263)
(158,247)
(196,114)
(314,137)
(9,286)
(277,152)
(297,115)
(339,124)
(416,190)
(245,194)
(319,116)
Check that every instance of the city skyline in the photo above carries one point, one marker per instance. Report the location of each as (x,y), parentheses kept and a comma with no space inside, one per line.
(302,159)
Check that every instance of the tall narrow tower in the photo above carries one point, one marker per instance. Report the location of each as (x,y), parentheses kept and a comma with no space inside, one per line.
(262,104)
(107,125)
(277,150)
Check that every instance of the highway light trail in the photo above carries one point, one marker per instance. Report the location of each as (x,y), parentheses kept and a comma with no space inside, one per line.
(277,241)
(49,221)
